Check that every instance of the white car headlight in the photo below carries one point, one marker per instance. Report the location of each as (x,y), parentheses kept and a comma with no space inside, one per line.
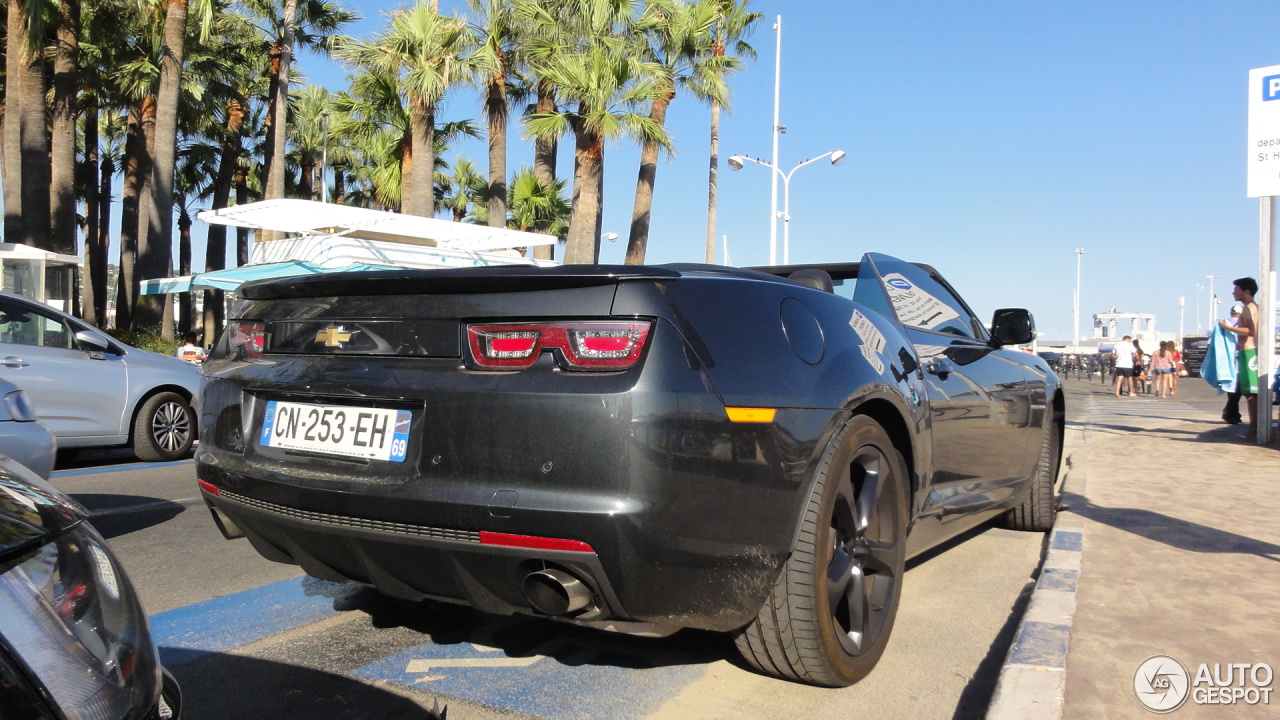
(72,617)
(19,407)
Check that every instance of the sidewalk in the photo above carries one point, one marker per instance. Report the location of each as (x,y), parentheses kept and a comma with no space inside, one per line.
(1181,556)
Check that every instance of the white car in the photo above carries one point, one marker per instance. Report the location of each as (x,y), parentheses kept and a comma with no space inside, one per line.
(92,390)
(22,437)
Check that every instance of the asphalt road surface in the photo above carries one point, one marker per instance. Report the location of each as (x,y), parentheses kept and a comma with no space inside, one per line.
(248,638)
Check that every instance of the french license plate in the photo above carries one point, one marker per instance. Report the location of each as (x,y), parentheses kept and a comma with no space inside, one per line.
(370,433)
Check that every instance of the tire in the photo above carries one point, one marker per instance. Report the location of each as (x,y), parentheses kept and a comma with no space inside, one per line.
(831,611)
(1039,510)
(164,428)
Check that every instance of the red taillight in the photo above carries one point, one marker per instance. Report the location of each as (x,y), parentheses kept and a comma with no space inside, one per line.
(533,543)
(207,487)
(583,345)
(247,338)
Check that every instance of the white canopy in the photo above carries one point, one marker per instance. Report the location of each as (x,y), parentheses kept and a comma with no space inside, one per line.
(307,217)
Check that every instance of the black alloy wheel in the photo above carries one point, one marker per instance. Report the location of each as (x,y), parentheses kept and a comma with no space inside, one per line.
(832,609)
(164,429)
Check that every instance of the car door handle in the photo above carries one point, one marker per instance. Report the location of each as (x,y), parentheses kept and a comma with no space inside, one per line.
(15,362)
(941,368)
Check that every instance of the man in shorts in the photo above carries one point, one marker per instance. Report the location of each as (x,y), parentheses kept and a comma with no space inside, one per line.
(1124,352)
(1246,330)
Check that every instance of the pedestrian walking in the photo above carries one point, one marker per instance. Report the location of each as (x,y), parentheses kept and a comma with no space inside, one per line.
(1246,331)
(1162,369)
(1124,352)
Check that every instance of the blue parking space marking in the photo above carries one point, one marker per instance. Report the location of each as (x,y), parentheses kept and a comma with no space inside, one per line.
(1041,644)
(1067,540)
(119,468)
(571,680)
(188,633)
(1058,579)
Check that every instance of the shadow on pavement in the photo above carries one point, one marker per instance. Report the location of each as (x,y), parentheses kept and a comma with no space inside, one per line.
(218,686)
(1171,531)
(115,515)
(567,644)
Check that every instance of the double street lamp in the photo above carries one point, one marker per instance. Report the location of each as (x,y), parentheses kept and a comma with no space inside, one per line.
(735,163)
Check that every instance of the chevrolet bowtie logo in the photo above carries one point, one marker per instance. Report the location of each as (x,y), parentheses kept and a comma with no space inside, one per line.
(333,336)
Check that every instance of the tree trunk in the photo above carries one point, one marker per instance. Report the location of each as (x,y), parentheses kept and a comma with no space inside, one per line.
(280,107)
(35,143)
(269,121)
(242,233)
(94,267)
(187,299)
(62,191)
(215,246)
(14,229)
(137,164)
(155,251)
(417,191)
(544,164)
(306,179)
(712,181)
(103,246)
(588,155)
(638,241)
(339,186)
(496,108)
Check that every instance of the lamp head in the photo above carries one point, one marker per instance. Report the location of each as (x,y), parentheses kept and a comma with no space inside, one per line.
(735,162)
(837,156)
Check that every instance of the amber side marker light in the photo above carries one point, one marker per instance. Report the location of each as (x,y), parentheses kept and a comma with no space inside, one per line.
(751,415)
(207,487)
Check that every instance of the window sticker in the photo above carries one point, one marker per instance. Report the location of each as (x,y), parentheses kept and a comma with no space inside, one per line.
(915,307)
(873,341)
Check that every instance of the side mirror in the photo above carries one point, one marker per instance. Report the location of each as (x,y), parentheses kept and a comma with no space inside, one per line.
(92,341)
(1012,326)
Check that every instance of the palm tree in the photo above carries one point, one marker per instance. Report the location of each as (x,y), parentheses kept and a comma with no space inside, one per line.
(314,24)
(680,46)
(536,204)
(62,236)
(603,76)
(733,23)
(307,133)
(374,122)
(426,53)
(463,189)
(499,47)
(26,136)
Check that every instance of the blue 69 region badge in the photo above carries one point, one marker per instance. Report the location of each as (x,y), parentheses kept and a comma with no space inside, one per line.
(1161,683)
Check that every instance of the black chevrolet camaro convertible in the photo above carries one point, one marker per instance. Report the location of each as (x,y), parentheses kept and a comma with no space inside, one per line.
(633,448)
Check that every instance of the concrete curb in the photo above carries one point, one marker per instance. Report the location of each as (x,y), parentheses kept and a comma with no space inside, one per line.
(1033,681)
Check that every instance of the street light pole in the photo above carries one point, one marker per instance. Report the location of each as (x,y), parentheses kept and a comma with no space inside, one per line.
(1199,327)
(1182,312)
(735,163)
(1211,319)
(1075,318)
(773,189)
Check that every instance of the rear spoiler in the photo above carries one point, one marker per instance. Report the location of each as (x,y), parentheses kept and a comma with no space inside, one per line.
(509,278)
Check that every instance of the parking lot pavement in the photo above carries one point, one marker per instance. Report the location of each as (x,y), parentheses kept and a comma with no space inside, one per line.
(1180,551)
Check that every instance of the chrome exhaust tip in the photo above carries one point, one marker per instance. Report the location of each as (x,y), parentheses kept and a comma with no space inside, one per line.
(556,592)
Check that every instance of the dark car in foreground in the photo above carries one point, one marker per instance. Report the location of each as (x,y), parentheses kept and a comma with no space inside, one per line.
(74,641)
(634,448)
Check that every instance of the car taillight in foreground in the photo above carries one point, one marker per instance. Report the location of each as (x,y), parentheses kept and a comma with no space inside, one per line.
(583,345)
(247,338)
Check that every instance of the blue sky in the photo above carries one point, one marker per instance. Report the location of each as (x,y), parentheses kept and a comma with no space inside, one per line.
(987,138)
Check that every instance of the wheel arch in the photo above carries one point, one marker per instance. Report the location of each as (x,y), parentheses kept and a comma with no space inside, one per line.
(889,416)
(137,407)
